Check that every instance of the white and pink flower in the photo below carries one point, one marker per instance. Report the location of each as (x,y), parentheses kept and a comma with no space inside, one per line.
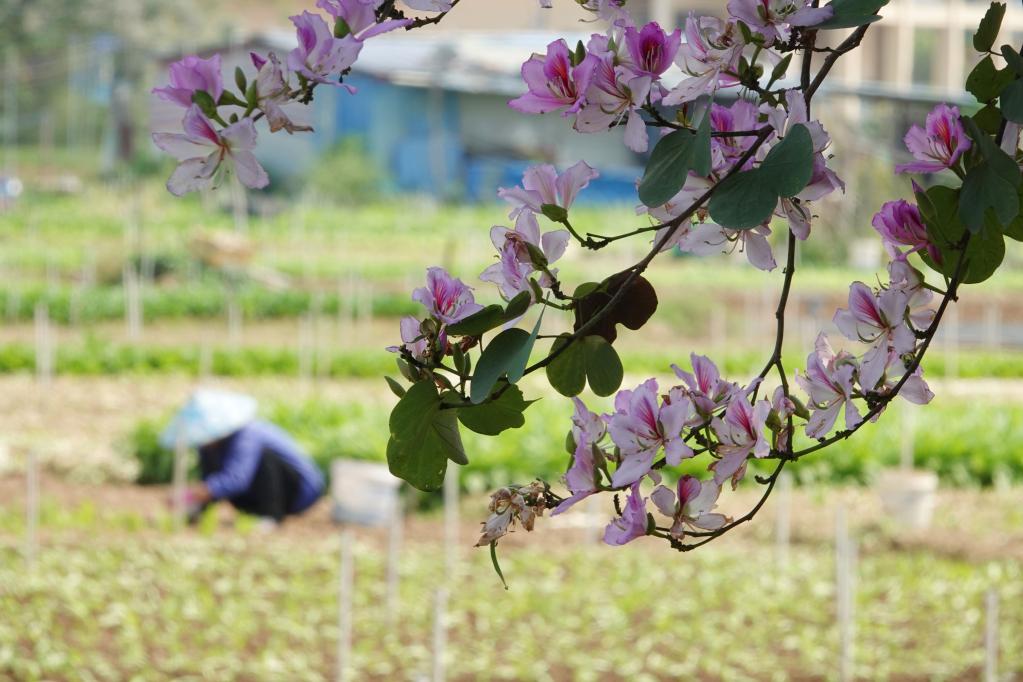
(692,507)
(205,154)
(642,424)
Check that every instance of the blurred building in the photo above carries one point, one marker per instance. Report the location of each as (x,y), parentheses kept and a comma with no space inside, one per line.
(432,111)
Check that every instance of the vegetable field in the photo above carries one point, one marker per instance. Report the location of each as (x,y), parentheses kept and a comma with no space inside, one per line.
(114,594)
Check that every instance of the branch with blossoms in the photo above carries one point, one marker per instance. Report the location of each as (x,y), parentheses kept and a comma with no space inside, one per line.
(719,178)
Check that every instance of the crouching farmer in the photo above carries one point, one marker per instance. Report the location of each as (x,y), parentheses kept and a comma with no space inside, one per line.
(252,464)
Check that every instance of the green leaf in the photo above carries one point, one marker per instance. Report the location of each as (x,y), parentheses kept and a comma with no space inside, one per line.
(497,359)
(984,255)
(493,550)
(495,416)
(986,248)
(1013,59)
(988,119)
(743,201)
(604,370)
(673,157)
(779,70)
(986,82)
(518,306)
(520,358)
(554,212)
(423,438)
(479,322)
(491,317)
(1014,230)
(1012,101)
(991,184)
(852,13)
(205,102)
(987,32)
(396,388)
(590,359)
(567,372)
(239,79)
(985,187)
(788,167)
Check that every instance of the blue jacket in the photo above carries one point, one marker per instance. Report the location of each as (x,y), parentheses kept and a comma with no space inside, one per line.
(242,452)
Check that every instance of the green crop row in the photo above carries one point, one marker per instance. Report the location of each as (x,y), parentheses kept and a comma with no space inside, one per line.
(96,357)
(99,304)
(965,442)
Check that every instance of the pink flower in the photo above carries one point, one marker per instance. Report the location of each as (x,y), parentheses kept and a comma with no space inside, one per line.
(445,297)
(273,94)
(553,82)
(939,145)
(360,16)
(544,185)
(899,224)
(829,384)
(190,75)
(915,390)
(632,523)
(413,339)
(695,501)
(710,56)
(726,151)
(641,425)
(581,478)
(771,18)
(706,389)
(320,57)
(741,433)
(515,265)
(615,94)
(651,51)
(205,154)
(708,238)
(879,320)
(823,180)
(906,278)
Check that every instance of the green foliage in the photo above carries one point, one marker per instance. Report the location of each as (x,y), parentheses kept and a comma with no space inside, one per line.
(423,438)
(505,356)
(346,175)
(852,13)
(748,198)
(496,415)
(987,32)
(992,185)
(591,359)
(1012,101)
(673,157)
(203,301)
(967,442)
(162,606)
(983,254)
(986,82)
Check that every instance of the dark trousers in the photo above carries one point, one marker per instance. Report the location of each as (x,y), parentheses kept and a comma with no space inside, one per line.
(273,489)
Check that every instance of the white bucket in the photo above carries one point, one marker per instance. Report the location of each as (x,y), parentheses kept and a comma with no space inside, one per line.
(364,493)
(908,496)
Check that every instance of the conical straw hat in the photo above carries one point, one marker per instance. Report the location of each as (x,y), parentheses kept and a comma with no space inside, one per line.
(208,416)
